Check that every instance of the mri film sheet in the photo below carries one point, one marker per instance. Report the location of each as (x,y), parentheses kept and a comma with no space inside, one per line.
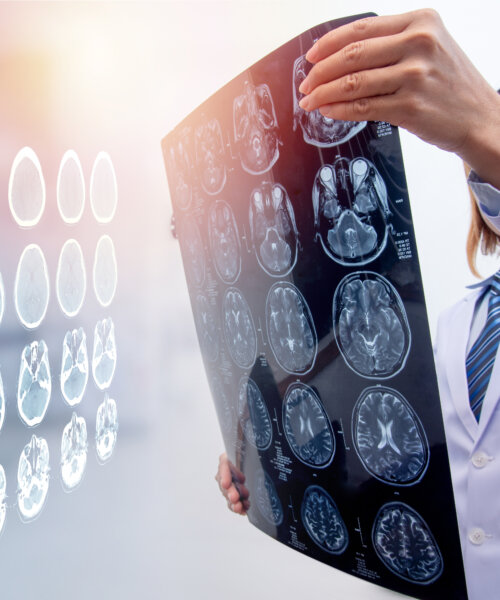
(301,263)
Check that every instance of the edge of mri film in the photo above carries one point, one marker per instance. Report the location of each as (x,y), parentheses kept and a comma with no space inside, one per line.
(40,317)
(387,436)
(108,216)
(29,154)
(328,426)
(402,318)
(70,155)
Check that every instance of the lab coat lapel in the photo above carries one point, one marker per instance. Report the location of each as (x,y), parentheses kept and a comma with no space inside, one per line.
(455,363)
(491,398)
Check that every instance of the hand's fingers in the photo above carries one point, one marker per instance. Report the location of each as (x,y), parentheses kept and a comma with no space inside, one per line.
(236,473)
(224,475)
(362,29)
(238,508)
(358,56)
(381,108)
(242,490)
(364,84)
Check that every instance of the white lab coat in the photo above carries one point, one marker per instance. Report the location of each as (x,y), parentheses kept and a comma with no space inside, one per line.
(474,451)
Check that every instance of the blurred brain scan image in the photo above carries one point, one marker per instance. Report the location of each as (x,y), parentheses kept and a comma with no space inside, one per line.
(33,478)
(318,130)
(322,520)
(256,129)
(253,414)
(105,273)
(2,298)
(290,328)
(103,189)
(193,252)
(104,353)
(31,287)
(2,403)
(239,328)
(370,325)
(222,404)
(267,499)
(74,450)
(71,278)
(179,160)
(35,383)
(70,188)
(106,429)
(405,545)
(26,188)
(307,427)
(224,241)
(389,437)
(273,229)
(3,497)
(209,147)
(207,327)
(351,211)
(75,366)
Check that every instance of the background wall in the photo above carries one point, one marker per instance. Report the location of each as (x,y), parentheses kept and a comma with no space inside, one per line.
(117,77)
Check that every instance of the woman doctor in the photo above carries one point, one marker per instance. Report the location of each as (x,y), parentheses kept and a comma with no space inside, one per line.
(407,70)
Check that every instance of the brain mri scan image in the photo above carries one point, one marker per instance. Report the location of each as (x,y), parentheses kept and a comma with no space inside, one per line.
(104,353)
(209,147)
(267,499)
(74,449)
(106,429)
(307,427)
(290,328)
(351,211)
(193,252)
(206,325)
(322,520)
(35,383)
(74,366)
(2,404)
(179,160)
(389,437)
(26,189)
(70,188)
(103,189)
(253,415)
(105,273)
(31,287)
(239,329)
(224,241)
(33,478)
(273,229)
(3,497)
(71,279)
(256,129)
(318,130)
(222,404)
(405,544)
(370,325)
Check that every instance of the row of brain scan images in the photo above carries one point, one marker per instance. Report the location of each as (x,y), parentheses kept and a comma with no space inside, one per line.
(401,538)
(370,326)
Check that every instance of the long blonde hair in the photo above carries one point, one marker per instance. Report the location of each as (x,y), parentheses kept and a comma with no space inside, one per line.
(480,236)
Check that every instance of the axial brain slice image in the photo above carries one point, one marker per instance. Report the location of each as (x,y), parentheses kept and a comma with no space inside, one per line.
(105,272)
(253,414)
(290,328)
(239,329)
(31,287)
(193,252)
(405,544)
(389,437)
(322,520)
(273,229)
(350,210)
(26,188)
(370,325)
(317,129)
(307,427)
(224,241)
(179,161)
(256,129)
(35,383)
(33,478)
(267,498)
(74,449)
(70,188)
(209,147)
(206,322)
(71,280)
(106,429)
(104,353)
(75,366)
(103,189)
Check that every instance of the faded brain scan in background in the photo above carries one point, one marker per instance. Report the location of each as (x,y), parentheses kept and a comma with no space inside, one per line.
(106,431)
(33,478)
(75,366)
(210,156)
(35,383)
(180,161)
(104,353)
(70,188)
(26,189)
(73,452)
(71,279)
(31,288)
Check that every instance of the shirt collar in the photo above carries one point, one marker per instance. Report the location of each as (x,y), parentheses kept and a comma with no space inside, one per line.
(481,284)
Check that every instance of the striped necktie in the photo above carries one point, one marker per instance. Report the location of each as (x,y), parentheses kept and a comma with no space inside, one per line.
(479,363)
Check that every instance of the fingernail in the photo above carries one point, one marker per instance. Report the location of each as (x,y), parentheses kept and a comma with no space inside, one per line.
(304,103)
(312,53)
(304,87)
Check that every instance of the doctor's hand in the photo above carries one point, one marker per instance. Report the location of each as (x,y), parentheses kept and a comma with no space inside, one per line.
(231,482)
(407,70)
